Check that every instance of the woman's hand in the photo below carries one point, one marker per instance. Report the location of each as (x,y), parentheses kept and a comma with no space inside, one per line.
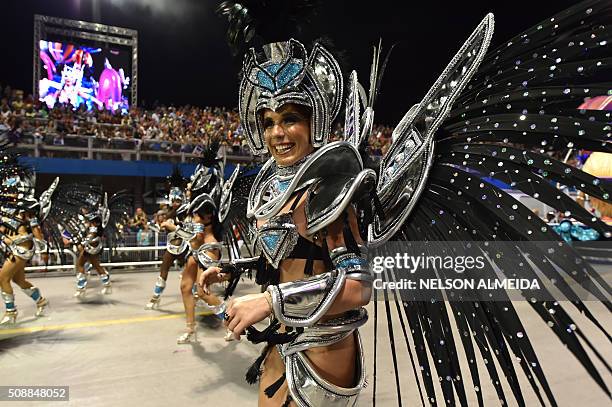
(167,225)
(210,276)
(245,311)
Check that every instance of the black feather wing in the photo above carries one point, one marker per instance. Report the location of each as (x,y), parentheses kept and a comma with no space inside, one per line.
(516,111)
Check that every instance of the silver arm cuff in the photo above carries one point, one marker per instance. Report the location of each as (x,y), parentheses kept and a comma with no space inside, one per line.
(173,246)
(202,256)
(40,245)
(355,265)
(92,245)
(303,302)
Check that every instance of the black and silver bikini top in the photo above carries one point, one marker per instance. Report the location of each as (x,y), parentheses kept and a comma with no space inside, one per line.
(279,239)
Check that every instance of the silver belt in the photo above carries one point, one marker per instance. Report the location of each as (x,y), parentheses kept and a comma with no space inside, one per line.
(20,251)
(309,389)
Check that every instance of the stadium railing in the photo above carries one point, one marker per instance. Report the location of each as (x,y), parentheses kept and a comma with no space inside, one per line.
(92,148)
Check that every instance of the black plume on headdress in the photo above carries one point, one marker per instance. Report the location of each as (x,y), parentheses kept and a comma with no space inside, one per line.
(257,22)
(176,179)
(209,156)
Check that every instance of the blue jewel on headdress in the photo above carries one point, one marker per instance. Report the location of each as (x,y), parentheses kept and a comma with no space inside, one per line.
(9,182)
(278,79)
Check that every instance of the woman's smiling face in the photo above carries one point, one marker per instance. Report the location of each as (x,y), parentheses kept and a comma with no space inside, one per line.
(287,133)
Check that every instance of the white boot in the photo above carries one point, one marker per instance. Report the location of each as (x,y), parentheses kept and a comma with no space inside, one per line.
(81,286)
(106,289)
(10,316)
(160,285)
(153,303)
(41,302)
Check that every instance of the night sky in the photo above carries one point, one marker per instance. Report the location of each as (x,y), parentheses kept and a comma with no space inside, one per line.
(184,58)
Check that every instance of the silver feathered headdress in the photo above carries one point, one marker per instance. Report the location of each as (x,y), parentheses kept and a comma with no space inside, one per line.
(286,73)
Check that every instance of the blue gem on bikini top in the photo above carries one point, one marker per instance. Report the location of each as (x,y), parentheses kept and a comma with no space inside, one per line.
(277,186)
(277,238)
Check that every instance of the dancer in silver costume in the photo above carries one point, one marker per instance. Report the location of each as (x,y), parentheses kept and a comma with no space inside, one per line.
(205,242)
(312,199)
(27,225)
(22,236)
(213,216)
(90,248)
(99,226)
(176,246)
(312,255)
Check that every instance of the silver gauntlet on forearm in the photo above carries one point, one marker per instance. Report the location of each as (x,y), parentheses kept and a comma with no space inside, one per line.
(303,302)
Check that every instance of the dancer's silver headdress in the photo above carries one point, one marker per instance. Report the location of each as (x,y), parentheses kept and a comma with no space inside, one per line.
(286,73)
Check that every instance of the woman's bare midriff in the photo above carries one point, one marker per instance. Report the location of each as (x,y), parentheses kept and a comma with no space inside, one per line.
(335,363)
(22,231)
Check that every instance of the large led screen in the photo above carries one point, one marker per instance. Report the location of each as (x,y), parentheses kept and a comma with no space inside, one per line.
(84,76)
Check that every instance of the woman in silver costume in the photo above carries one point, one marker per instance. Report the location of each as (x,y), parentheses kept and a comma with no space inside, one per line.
(205,250)
(90,249)
(312,260)
(176,246)
(99,226)
(211,219)
(305,199)
(22,242)
(492,116)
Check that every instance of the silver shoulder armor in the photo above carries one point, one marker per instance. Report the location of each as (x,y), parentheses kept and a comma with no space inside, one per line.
(337,172)
(328,198)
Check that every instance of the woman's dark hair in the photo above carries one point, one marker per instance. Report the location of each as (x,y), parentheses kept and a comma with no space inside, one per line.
(217,227)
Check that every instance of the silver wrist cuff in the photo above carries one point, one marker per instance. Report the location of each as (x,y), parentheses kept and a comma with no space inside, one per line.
(203,258)
(303,302)
(355,265)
